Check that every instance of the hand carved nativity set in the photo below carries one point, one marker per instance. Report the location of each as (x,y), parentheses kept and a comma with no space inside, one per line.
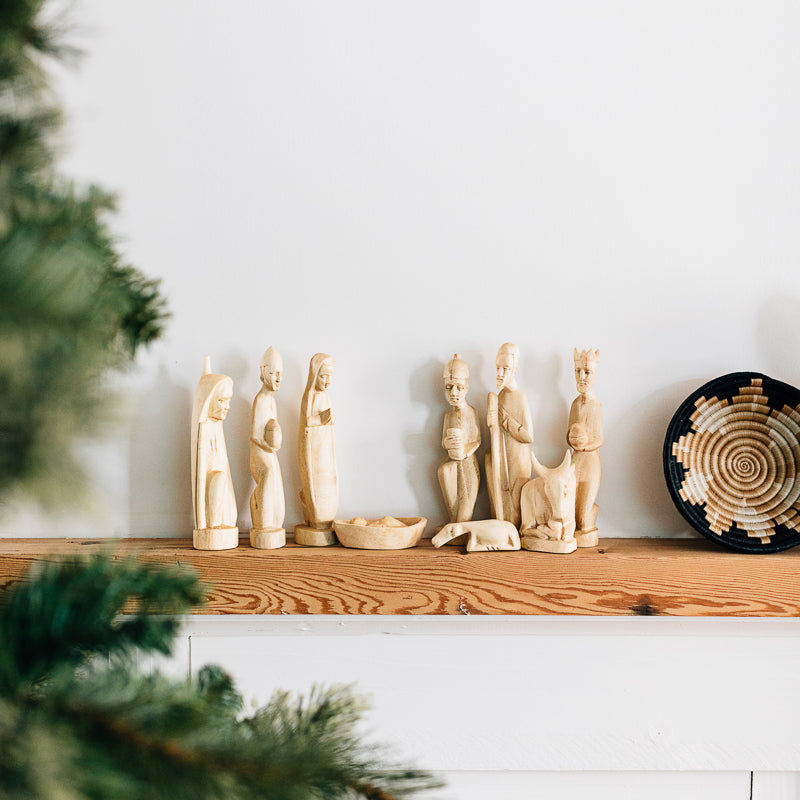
(731,462)
(553,512)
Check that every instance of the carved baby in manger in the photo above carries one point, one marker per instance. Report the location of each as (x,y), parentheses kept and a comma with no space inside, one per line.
(267,504)
(585,435)
(459,476)
(316,455)
(213,499)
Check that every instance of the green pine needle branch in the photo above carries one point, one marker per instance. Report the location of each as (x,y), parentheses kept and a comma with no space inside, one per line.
(71,309)
(79,722)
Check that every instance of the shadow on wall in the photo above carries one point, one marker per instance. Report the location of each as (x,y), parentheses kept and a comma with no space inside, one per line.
(292,386)
(633,460)
(160,485)
(778,336)
(423,447)
(481,382)
(237,432)
(633,466)
(549,409)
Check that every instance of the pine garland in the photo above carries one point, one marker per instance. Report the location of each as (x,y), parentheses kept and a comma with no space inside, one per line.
(70,308)
(78,722)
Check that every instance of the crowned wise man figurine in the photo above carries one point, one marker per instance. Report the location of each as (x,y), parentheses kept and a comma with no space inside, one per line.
(213,500)
(316,456)
(459,476)
(585,436)
(267,504)
(508,465)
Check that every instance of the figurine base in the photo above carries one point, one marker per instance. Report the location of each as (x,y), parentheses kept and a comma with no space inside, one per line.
(313,537)
(267,538)
(587,538)
(215,538)
(548,545)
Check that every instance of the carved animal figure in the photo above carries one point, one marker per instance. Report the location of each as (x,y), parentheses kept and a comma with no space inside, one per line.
(548,502)
(482,535)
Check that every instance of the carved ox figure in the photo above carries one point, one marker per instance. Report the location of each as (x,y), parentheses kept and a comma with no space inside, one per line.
(548,502)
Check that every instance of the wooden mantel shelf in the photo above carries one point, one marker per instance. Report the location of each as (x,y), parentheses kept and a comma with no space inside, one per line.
(675,577)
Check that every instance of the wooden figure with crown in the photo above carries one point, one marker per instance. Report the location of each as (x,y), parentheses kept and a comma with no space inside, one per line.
(585,436)
(459,475)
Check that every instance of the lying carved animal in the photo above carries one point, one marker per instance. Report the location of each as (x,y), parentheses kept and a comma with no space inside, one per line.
(482,535)
(548,508)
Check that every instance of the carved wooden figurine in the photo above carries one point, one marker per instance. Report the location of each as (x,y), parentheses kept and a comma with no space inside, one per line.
(459,476)
(480,535)
(508,465)
(316,454)
(213,500)
(267,505)
(548,508)
(585,436)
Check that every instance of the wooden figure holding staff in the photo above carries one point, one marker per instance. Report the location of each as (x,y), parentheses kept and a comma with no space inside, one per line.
(508,464)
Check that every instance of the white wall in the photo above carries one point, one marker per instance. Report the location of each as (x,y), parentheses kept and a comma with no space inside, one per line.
(394,182)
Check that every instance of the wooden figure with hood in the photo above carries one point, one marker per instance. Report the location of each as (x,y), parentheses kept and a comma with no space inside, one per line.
(213,499)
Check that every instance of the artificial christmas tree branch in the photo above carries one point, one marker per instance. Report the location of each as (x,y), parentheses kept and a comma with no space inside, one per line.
(67,671)
(77,721)
(71,309)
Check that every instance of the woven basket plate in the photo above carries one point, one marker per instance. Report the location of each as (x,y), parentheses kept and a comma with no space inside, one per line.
(732,462)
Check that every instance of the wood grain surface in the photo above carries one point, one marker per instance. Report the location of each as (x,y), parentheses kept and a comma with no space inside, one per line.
(674,577)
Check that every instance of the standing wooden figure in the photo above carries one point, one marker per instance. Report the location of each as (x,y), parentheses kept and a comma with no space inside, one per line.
(585,436)
(459,476)
(213,500)
(316,454)
(508,465)
(267,504)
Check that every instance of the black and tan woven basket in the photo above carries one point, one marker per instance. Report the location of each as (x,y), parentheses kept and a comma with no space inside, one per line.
(732,462)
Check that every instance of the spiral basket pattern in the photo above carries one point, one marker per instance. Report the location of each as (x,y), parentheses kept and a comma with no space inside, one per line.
(731,458)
